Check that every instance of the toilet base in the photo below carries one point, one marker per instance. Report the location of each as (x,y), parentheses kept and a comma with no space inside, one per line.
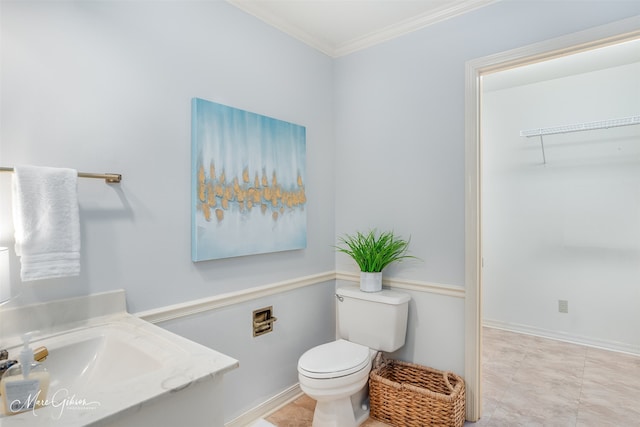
(334,413)
(348,411)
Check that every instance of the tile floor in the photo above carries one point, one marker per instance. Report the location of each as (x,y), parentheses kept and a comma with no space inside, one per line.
(532,381)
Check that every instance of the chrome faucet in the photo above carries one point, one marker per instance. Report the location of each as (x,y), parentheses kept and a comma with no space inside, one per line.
(4,362)
(39,354)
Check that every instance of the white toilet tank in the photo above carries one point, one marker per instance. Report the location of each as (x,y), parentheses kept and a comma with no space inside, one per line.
(377,320)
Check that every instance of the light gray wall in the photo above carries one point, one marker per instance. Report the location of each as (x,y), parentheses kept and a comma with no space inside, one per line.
(400,141)
(568,229)
(104,86)
(268,363)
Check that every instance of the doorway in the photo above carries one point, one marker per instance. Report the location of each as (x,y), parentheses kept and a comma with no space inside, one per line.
(608,35)
(560,179)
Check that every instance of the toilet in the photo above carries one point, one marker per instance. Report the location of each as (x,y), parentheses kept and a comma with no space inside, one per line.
(336,374)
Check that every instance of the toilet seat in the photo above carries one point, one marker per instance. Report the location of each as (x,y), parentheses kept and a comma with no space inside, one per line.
(335,359)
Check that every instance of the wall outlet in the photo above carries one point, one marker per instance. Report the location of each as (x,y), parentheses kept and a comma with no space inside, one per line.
(563,306)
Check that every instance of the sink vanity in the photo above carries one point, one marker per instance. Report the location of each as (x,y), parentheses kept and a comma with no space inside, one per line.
(110,368)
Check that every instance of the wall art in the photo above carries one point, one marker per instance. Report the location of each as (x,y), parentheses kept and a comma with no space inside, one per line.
(248,183)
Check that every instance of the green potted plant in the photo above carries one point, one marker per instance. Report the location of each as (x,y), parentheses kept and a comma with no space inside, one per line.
(372,252)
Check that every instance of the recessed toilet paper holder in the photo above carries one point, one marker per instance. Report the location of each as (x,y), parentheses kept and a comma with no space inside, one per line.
(263,320)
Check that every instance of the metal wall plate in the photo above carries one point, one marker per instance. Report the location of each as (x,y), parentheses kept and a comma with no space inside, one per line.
(263,321)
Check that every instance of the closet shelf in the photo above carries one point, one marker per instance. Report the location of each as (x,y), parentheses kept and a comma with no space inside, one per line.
(579,127)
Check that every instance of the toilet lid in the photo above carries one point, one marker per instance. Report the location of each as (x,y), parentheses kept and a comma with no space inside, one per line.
(334,359)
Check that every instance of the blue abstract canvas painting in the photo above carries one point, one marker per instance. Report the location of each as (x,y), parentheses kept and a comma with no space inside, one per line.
(248,183)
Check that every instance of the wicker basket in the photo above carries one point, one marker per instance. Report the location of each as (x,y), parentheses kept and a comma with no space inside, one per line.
(408,395)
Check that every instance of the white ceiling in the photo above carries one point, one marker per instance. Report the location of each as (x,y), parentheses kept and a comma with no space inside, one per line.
(340,27)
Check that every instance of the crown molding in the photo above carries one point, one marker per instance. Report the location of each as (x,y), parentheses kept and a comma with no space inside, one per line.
(409,25)
(253,8)
(387,33)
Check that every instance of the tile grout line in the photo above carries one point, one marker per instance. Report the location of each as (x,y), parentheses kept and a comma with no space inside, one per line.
(578,403)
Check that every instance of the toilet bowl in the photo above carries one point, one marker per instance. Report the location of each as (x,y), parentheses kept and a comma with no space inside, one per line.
(336,376)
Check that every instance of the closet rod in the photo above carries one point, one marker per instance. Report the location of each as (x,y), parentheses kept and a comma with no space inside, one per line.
(110,178)
(602,124)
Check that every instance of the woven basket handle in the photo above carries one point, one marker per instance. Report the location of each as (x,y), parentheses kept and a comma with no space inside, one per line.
(379,361)
(446,379)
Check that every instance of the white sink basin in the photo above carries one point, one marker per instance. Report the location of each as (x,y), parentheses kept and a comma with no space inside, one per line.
(99,357)
(118,370)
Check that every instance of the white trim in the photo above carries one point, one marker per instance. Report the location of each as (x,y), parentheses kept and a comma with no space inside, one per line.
(605,35)
(411,285)
(390,32)
(189,308)
(409,25)
(255,9)
(616,32)
(561,336)
(267,408)
(473,265)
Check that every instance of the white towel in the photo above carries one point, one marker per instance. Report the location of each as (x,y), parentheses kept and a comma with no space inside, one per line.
(47,222)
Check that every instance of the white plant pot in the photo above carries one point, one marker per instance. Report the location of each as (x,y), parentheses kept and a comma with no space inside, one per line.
(370,282)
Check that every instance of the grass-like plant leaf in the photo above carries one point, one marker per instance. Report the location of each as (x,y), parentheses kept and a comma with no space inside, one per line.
(372,251)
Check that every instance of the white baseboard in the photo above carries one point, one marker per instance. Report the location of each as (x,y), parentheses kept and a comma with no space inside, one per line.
(266,408)
(562,336)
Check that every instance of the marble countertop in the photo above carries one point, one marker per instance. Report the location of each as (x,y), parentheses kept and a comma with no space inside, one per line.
(90,384)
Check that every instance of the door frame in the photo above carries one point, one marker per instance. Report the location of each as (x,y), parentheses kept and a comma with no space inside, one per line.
(601,36)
